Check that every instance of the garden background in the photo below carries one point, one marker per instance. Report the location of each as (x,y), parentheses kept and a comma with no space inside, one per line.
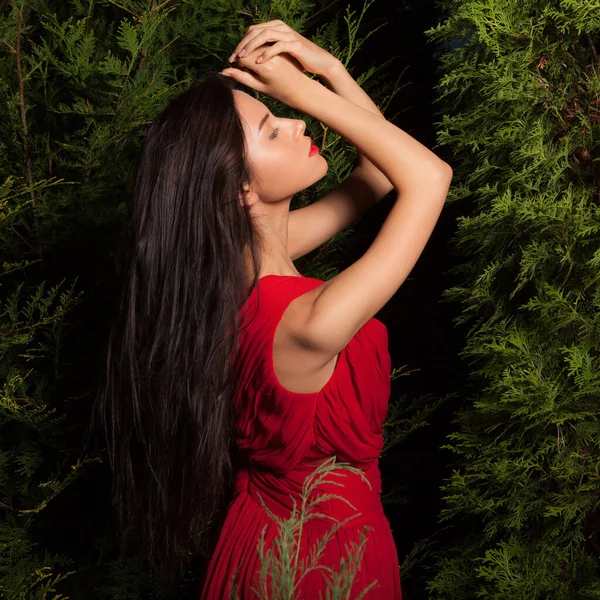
(491,467)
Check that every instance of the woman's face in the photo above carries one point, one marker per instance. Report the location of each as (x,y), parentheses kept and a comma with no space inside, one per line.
(278,151)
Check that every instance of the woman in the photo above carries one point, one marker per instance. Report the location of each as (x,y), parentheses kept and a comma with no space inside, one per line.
(230,372)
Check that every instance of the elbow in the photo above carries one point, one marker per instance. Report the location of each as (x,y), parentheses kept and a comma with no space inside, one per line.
(445,170)
(438,176)
(442,176)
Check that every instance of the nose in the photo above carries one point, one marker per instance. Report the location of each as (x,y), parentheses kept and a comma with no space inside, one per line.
(301,126)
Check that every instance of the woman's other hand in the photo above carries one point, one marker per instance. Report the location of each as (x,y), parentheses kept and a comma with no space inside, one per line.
(313,58)
(281,77)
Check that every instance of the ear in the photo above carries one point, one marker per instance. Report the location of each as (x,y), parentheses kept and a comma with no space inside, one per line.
(250,198)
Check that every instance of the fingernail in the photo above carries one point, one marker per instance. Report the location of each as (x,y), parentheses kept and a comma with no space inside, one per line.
(259,59)
(243,52)
(232,57)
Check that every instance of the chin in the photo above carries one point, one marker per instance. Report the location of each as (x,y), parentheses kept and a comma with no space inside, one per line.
(325,167)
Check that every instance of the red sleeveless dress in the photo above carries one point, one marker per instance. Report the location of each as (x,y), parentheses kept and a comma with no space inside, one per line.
(283,436)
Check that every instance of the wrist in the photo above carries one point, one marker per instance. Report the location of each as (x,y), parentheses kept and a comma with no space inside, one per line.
(334,69)
(306,95)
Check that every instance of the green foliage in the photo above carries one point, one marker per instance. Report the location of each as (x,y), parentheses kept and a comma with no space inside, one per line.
(280,575)
(520,90)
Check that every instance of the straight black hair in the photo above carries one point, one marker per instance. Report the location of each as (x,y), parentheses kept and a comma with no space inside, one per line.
(164,407)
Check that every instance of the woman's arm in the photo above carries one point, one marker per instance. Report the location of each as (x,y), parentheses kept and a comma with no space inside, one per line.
(325,318)
(338,80)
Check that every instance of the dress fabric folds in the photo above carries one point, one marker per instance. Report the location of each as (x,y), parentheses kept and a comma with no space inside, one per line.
(283,436)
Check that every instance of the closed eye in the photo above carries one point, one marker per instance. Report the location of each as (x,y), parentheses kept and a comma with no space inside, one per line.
(274,134)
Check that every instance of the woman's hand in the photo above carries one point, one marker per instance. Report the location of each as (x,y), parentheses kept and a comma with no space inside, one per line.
(313,58)
(281,77)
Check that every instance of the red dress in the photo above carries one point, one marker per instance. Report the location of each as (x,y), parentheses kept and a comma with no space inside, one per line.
(283,436)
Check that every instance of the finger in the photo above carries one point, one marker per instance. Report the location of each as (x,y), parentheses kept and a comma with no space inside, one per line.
(275,22)
(253,40)
(277,48)
(245,78)
(250,33)
(264,38)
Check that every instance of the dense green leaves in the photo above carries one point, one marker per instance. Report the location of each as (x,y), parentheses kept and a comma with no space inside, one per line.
(520,91)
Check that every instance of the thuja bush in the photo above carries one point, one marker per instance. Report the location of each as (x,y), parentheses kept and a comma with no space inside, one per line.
(520,92)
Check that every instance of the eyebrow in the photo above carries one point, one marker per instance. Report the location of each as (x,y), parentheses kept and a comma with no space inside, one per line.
(263,122)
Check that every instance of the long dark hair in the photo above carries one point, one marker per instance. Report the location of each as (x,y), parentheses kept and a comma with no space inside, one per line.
(165,405)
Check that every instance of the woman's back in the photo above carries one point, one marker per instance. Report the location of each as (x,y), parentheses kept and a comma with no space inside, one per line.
(284,435)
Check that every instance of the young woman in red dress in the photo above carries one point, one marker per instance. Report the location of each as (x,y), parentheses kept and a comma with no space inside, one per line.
(231,377)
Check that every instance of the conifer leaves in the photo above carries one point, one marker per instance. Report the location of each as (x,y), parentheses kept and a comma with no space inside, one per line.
(577,15)
(75,56)
(521,116)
